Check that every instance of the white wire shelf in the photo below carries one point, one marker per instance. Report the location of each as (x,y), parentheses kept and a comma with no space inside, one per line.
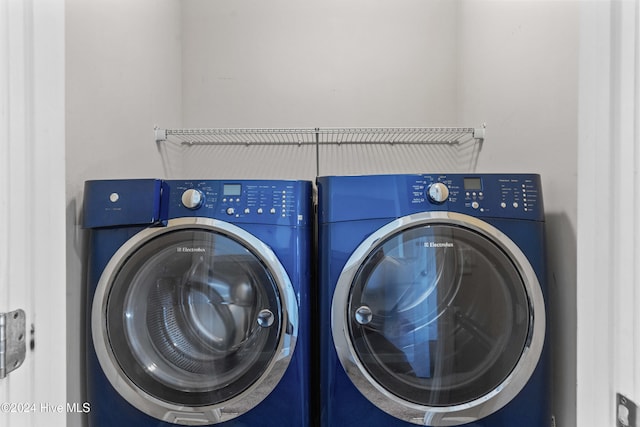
(235,136)
(304,153)
(400,135)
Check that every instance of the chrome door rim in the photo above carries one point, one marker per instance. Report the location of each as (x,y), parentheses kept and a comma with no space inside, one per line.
(432,415)
(208,414)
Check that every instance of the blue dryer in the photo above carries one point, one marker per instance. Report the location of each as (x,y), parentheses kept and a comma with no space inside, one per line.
(198,302)
(432,301)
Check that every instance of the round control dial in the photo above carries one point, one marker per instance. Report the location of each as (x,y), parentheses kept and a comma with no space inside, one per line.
(192,198)
(438,192)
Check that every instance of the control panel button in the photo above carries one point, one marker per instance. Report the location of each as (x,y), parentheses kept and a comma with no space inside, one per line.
(475,205)
(246,210)
(192,198)
(438,192)
(231,211)
(260,210)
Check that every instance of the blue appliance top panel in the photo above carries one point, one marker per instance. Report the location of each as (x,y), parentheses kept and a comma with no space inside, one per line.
(111,203)
(348,198)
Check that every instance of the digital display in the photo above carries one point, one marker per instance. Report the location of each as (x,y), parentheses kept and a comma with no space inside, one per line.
(473,184)
(231,189)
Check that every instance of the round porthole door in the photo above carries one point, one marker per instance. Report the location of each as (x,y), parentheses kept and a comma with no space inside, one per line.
(438,319)
(194,323)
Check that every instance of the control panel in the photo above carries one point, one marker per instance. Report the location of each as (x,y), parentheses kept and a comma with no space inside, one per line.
(516,195)
(354,198)
(239,201)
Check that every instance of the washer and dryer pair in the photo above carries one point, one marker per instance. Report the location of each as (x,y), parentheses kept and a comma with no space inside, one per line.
(430,302)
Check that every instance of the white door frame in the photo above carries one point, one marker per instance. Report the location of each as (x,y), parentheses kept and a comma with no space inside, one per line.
(32,206)
(608,306)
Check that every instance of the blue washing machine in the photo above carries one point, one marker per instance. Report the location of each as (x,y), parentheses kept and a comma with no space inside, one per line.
(432,301)
(198,302)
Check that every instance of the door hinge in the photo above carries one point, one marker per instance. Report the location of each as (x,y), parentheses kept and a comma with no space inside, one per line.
(12,341)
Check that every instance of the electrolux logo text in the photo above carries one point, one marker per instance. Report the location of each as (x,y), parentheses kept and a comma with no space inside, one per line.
(191,250)
(438,245)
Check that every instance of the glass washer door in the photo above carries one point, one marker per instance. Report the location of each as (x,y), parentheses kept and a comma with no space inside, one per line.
(438,319)
(190,320)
